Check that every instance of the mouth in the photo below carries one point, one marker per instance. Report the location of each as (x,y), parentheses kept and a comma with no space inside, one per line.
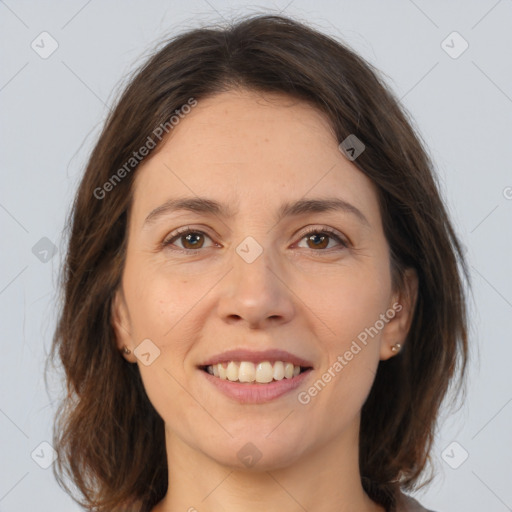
(248,372)
(256,377)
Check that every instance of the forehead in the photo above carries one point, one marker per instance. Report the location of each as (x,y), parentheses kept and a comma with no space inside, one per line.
(251,150)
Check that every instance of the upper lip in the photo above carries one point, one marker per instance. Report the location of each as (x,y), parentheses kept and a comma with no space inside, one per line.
(257,356)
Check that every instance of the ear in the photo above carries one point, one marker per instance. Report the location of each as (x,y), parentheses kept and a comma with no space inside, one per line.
(120,321)
(400,312)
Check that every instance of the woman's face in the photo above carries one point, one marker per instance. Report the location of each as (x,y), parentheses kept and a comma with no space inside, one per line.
(252,277)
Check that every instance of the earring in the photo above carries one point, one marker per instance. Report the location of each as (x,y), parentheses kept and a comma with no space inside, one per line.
(396,347)
(126,350)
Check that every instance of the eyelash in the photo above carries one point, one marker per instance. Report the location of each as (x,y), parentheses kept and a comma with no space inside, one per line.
(187,230)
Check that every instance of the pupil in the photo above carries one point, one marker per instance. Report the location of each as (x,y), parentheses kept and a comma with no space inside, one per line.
(316,236)
(191,236)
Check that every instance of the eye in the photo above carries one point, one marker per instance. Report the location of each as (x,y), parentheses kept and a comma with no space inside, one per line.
(192,239)
(319,238)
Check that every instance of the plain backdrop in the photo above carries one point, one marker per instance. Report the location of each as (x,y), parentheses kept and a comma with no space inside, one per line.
(52,107)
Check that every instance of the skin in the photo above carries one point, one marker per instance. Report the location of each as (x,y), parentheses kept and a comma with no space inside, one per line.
(256,152)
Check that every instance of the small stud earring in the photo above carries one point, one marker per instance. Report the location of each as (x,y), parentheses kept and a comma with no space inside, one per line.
(126,350)
(396,347)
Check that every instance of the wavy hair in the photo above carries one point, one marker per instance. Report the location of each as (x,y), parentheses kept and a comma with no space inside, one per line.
(109,439)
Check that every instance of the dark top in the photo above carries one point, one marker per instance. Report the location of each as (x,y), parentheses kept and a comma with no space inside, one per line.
(408,504)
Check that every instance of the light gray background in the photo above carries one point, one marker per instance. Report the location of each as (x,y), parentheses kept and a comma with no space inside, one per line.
(52,111)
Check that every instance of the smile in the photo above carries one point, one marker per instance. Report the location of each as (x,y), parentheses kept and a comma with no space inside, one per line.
(246,382)
(248,372)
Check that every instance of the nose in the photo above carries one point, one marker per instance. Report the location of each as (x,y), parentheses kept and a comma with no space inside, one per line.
(256,293)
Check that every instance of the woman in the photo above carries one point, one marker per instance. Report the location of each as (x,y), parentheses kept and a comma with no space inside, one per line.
(263,297)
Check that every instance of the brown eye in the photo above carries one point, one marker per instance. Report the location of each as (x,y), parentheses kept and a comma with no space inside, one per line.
(190,239)
(319,239)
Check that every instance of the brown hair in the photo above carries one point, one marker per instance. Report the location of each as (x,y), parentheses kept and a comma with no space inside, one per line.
(109,438)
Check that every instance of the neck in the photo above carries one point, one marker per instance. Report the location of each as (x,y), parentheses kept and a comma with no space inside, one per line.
(326,479)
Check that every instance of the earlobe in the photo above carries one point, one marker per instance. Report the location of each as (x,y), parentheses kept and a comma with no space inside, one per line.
(404,305)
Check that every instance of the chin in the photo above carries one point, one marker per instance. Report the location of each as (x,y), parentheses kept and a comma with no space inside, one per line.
(257,453)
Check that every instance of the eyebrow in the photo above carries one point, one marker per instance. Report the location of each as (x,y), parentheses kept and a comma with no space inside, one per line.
(291,209)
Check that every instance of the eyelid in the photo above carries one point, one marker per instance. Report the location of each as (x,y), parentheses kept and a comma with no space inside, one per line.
(344,240)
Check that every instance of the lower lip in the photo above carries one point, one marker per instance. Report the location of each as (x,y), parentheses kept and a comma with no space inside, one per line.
(246,393)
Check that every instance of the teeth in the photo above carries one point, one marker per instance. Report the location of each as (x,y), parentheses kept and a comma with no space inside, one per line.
(278,370)
(232,371)
(288,370)
(264,372)
(246,371)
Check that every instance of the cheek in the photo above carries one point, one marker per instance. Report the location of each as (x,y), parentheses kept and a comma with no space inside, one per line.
(158,299)
(350,301)
(161,307)
(357,321)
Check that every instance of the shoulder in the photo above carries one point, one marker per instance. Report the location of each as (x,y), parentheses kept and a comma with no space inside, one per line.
(406,503)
